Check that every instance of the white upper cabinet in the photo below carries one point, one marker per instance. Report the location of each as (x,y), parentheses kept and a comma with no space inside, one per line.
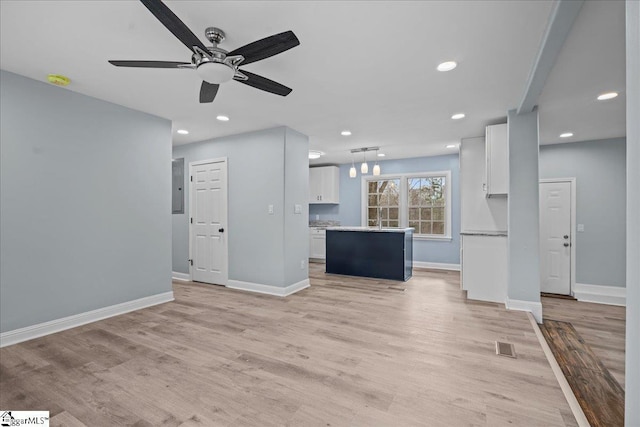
(477,212)
(497,161)
(324,185)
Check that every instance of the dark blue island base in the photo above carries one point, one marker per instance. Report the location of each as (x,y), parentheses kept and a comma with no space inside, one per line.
(359,251)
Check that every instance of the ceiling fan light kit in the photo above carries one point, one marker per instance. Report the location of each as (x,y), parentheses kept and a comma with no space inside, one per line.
(213,64)
(215,72)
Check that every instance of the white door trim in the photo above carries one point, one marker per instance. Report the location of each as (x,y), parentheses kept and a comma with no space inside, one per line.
(574,237)
(226,241)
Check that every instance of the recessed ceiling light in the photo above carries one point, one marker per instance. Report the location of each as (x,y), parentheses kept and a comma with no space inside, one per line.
(183,132)
(223,118)
(381,154)
(608,95)
(458,116)
(315,154)
(566,135)
(345,133)
(451,146)
(447,66)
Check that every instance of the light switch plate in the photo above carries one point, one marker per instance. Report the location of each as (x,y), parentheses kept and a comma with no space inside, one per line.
(270,209)
(581,227)
(297,209)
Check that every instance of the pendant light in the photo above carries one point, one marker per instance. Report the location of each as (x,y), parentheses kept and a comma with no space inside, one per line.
(376,167)
(352,170)
(364,167)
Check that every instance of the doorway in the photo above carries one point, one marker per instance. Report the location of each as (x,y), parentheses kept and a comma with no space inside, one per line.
(208,234)
(557,235)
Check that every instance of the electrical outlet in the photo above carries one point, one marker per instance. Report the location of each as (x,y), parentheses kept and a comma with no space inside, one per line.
(317,217)
(270,209)
(302,263)
(297,209)
(581,228)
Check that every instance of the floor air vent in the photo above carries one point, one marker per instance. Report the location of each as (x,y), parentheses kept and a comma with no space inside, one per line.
(505,349)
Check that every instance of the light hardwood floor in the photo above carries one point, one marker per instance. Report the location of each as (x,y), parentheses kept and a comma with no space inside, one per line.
(344,352)
(601,326)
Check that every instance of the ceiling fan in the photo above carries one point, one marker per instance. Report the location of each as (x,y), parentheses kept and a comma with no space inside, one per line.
(213,64)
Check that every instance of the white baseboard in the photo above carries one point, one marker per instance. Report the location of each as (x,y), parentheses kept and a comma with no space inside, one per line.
(57,325)
(180,276)
(268,289)
(436,265)
(612,295)
(532,307)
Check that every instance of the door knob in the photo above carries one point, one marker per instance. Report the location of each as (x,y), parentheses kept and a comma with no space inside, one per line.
(566,245)
(221,230)
(566,236)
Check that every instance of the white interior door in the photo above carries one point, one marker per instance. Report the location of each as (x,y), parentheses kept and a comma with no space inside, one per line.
(208,223)
(555,237)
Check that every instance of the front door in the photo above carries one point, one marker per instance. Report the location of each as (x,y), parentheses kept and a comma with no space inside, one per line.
(555,237)
(208,222)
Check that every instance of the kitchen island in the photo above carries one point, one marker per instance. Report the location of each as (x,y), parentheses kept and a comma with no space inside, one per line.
(384,253)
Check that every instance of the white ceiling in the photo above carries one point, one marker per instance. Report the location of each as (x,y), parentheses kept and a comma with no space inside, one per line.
(592,62)
(367,66)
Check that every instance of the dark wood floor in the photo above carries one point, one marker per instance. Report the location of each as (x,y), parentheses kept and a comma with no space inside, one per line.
(601,326)
(344,352)
(597,391)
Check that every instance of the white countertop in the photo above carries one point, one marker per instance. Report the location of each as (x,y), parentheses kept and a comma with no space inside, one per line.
(484,233)
(372,229)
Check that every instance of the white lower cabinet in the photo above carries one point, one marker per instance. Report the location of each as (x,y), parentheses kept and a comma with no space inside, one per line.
(484,267)
(317,243)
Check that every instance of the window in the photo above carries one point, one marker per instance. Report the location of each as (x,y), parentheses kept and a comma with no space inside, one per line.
(426,204)
(421,201)
(384,203)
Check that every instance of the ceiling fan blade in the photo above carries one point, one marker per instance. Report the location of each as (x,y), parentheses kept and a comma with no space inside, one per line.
(208,92)
(266,47)
(265,84)
(173,24)
(152,64)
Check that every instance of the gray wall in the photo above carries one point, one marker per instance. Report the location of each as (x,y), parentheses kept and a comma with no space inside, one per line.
(599,169)
(84,203)
(296,192)
(348,211)
(632,353)
(523,279)
(256,170)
